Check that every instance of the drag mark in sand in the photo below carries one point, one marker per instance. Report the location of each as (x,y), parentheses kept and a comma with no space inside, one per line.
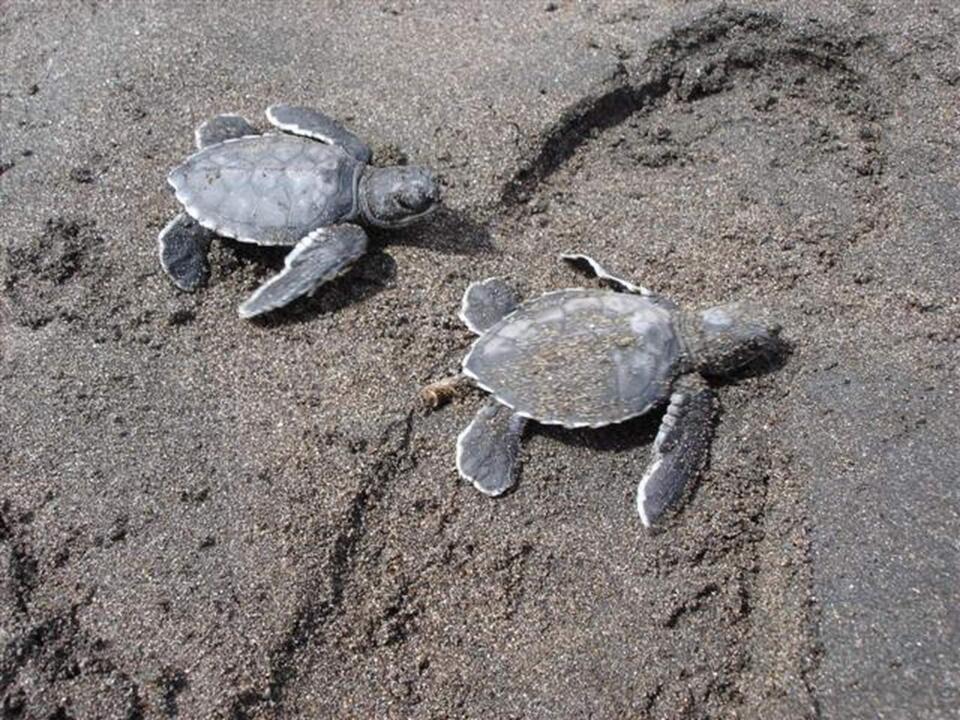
(307,626)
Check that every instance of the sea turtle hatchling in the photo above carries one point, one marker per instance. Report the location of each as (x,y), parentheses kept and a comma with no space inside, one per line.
(594,357)
(309,187)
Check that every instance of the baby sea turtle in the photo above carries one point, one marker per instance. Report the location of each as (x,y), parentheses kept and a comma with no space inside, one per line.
(286,189)
(593,357)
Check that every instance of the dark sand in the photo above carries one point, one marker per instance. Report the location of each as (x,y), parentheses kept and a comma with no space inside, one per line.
(203,517)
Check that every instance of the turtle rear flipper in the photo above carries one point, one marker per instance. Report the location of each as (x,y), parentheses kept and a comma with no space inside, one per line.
(680,448)
(588,266)
(220,128)
(487,450)
(318,258)
(182,246)
(183,243)
(487,302)
(314,124)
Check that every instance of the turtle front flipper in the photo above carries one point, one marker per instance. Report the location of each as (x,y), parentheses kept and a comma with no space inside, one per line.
(317,258)
(220,128)
(588,266)
(182,245)
(488,449)
(486,302)
(680,448)
(314,124)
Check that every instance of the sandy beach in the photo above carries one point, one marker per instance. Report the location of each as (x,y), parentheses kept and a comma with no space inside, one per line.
(208,517)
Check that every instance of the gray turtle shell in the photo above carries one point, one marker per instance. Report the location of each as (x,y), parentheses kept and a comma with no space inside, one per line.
(579,357)
(268,189)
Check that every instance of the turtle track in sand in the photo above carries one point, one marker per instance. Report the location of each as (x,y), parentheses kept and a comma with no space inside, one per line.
(39,280)
(56,648)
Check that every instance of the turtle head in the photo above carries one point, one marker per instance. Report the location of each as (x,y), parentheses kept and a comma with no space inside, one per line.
(397,196)
(725,338)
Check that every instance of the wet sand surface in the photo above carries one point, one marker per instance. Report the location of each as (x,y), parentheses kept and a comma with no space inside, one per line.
(207,517)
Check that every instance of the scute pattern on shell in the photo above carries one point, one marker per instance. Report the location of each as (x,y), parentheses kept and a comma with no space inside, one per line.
(267,189)
(579,357)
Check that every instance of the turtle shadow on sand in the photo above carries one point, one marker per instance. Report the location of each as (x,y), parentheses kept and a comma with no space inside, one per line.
(368,276)
(773,359)
(447,231)
(635,434)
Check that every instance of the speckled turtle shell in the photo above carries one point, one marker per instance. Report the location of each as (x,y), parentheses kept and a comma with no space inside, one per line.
(268,189)
(580,357)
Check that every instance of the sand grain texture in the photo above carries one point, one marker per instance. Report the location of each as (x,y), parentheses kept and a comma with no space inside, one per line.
(206,517)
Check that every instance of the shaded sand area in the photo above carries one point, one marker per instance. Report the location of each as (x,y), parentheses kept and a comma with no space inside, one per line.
(207,517)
